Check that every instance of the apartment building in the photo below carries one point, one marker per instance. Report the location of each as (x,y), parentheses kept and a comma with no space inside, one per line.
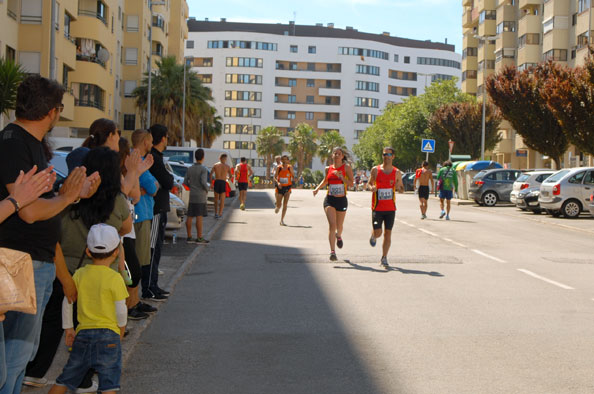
(101,50)
(285,74)
(522,33)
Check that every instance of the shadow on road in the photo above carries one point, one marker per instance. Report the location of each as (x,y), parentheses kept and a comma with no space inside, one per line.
(416,272)
(392,268)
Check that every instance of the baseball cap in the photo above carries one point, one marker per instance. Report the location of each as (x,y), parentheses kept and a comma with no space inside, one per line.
(102,238)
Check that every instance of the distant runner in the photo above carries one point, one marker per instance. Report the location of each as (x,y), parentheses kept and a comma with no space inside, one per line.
(220,172)
(425,177)
(339,176)
(244,172)
(448,183)
(384,180)
(284,180)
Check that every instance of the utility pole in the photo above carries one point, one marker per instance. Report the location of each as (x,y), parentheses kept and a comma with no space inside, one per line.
(52,54)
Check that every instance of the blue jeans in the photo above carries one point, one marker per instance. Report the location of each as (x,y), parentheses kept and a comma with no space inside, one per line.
(21,330)
(99,349)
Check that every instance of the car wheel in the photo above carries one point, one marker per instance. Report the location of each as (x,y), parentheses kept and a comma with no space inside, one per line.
(490,199)
(571,209)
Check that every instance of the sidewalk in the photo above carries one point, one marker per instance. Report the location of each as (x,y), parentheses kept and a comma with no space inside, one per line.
(176,259)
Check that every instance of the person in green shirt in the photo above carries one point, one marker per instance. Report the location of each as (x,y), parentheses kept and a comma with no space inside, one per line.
(447,182)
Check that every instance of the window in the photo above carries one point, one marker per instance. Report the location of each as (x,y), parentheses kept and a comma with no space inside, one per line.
(526,66)
(293,48)
(10,53)
(577,178)
(131,56)
(359,134)
(363,52)
(233,112)
(132,23)
(433,61)
(583,5)
(582,40)
(204,78)
(292,82)
(292,98)
(365,69)
(311,67)
(407,59)
(244,79)
(291,115)
(559,55)
(190,44)
(490,64)
(129,87)
(402,91)
(529,39)
(309,99)
(31,62)
(403,75)
(589,180)
(311,49)
(262,46)
(293,66)
(365,85)
(365,118)
(129,121)
(366,102)
(244,62)
(309,115)
(65,71)
(470,51)
(507,26)
(505,53)
(243,95)
(310,83)
(31,12)
(88,96)
(396,58)
(487,15)
(241,129)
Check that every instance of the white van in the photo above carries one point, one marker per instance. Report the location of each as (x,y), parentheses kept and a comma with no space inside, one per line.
(185,154)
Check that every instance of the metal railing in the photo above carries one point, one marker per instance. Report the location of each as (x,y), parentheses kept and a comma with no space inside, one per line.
(93,14)
(92,59)
(89,103)
(11,14)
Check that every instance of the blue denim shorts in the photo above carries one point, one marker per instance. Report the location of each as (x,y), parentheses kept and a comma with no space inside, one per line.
(446,194)
(99,349)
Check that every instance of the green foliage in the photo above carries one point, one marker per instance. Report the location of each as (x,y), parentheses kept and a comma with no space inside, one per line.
(318,176)
(308,176)
(403,126)
(269,143)
(11,76)
(302,146)
(329,141)
(167,102)
(462,123)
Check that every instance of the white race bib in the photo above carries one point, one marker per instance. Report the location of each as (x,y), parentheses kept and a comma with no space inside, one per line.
(336,189)
(384,194)
(284,181)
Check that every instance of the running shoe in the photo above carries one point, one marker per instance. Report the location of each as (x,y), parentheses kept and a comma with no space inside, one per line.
(333,256)
(191,241)
(372,241)
(442,214)
(202,241)
(282,223)
(242,207)
(339,242)
(92,389)
(35,382)
(146,308)
(447,217)
(276,209)
(384,262)
(216,216)
(423,216)
(135,313)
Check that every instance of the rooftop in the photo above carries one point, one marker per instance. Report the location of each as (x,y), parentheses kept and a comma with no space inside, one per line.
(318,30)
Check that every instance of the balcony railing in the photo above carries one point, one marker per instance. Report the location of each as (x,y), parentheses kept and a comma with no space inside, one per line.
(89,103)
(31,19)
(11,14)
(158,53)
(93,14)
(92,59)
(159,23)
(70,38)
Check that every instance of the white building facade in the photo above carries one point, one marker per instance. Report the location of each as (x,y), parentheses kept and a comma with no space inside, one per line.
(282,75)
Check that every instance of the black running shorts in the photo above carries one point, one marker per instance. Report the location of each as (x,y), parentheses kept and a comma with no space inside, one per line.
(242,186)
(424,192)
(383,217)
(283,189)
(220,186)
(339,203)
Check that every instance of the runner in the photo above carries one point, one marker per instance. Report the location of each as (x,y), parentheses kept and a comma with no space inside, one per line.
(284,180)
(447,182)
(384,180)
(245,172)
(425,176)
(277,163)
(339,176)
(220,172)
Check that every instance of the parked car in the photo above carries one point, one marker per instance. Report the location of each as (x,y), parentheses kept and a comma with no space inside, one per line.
(591,205)
(527,200)
(567,192)
(179,170)
(528,180)
(408,179)
(488,187)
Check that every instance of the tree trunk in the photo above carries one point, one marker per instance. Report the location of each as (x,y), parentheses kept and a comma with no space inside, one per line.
(557,161)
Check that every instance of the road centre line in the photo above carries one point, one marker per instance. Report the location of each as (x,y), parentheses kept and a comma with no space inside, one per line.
(429,232)
(454,242)
(488,256)
(561,285)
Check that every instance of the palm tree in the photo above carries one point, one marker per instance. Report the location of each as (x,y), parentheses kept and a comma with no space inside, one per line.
(11,76)
(302,146)
(167,101)
(329,141)
(269,143)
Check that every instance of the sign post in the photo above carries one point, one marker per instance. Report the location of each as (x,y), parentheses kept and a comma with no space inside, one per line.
(428,146)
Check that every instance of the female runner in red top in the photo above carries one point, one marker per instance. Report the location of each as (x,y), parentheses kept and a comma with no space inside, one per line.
(284,181)
(339,177)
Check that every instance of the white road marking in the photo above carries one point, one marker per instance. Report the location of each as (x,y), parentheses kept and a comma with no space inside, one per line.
(428,232)
(561,285)
(488,256)
(454,242)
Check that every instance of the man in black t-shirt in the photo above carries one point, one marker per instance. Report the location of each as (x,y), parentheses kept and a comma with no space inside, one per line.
(34,229)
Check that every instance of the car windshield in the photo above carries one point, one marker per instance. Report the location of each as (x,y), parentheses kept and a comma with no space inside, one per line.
(179,170)
(523,178)
(480,174)
(556,176)
(175,155)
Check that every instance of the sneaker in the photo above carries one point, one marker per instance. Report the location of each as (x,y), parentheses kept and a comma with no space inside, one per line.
(339,242)
(191,241)
(161,272)
(384,262)
(333,256)
(146,308)
(35,382)
(216,216)
(423,216)
(447,217)
(135,313)
(242,207)
(150,296)
(202,241)
(93,389)
(282,223)
(372,241)
(162,292)
(276,209)
(442,214)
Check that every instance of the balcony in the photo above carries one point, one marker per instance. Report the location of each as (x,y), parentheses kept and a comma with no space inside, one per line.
(89,103)
(93,14)
(329,92)
(91,58)
(530,3)
(328,124)
(506,145)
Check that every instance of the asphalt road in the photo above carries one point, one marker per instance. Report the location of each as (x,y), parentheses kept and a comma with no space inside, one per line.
(492,301)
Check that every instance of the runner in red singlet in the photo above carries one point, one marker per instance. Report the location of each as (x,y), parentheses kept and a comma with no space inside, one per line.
(385,179)
(244,171)
(284,181)
(339,177)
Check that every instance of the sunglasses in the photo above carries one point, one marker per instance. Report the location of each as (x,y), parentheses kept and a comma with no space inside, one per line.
(60,107)
(388,154)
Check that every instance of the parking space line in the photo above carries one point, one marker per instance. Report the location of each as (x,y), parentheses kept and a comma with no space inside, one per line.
(488,256)
(561,285)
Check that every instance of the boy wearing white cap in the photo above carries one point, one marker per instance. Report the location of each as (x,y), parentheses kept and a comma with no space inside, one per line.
(102,316)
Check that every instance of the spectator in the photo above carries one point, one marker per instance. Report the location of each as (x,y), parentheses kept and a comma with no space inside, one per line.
(196,180)
(165,179)
(36,228)
(101,314)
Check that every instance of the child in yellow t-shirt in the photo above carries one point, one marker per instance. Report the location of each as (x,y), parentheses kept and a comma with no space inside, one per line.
(102,316)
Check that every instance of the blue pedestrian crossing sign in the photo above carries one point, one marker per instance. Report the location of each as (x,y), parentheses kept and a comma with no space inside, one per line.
(428,146)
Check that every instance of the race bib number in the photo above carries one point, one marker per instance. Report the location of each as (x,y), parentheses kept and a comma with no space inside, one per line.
(284,181)
(385,194)
(336,189)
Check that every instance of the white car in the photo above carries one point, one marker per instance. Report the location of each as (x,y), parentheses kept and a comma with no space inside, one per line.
(177,213)
(528,180)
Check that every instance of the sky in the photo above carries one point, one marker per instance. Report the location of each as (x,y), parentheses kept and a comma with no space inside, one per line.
(435,20)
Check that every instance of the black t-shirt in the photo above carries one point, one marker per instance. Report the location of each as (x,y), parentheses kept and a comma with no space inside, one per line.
(19,150)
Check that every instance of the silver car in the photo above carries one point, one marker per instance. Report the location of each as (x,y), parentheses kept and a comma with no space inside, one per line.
(567,192)
(528,180)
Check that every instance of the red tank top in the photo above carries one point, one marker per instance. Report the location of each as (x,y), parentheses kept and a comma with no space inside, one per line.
(384,199)
(243,173)
(336,187)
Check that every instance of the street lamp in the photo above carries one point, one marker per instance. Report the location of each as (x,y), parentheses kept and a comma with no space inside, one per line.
(183,130)
(483,39)
(149,69)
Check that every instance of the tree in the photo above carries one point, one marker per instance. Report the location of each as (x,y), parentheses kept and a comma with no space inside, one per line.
(570,95)
(167,102)
(520,97)
(11,76)
(329,141)
(269,143)
(462,123)
(302,146)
